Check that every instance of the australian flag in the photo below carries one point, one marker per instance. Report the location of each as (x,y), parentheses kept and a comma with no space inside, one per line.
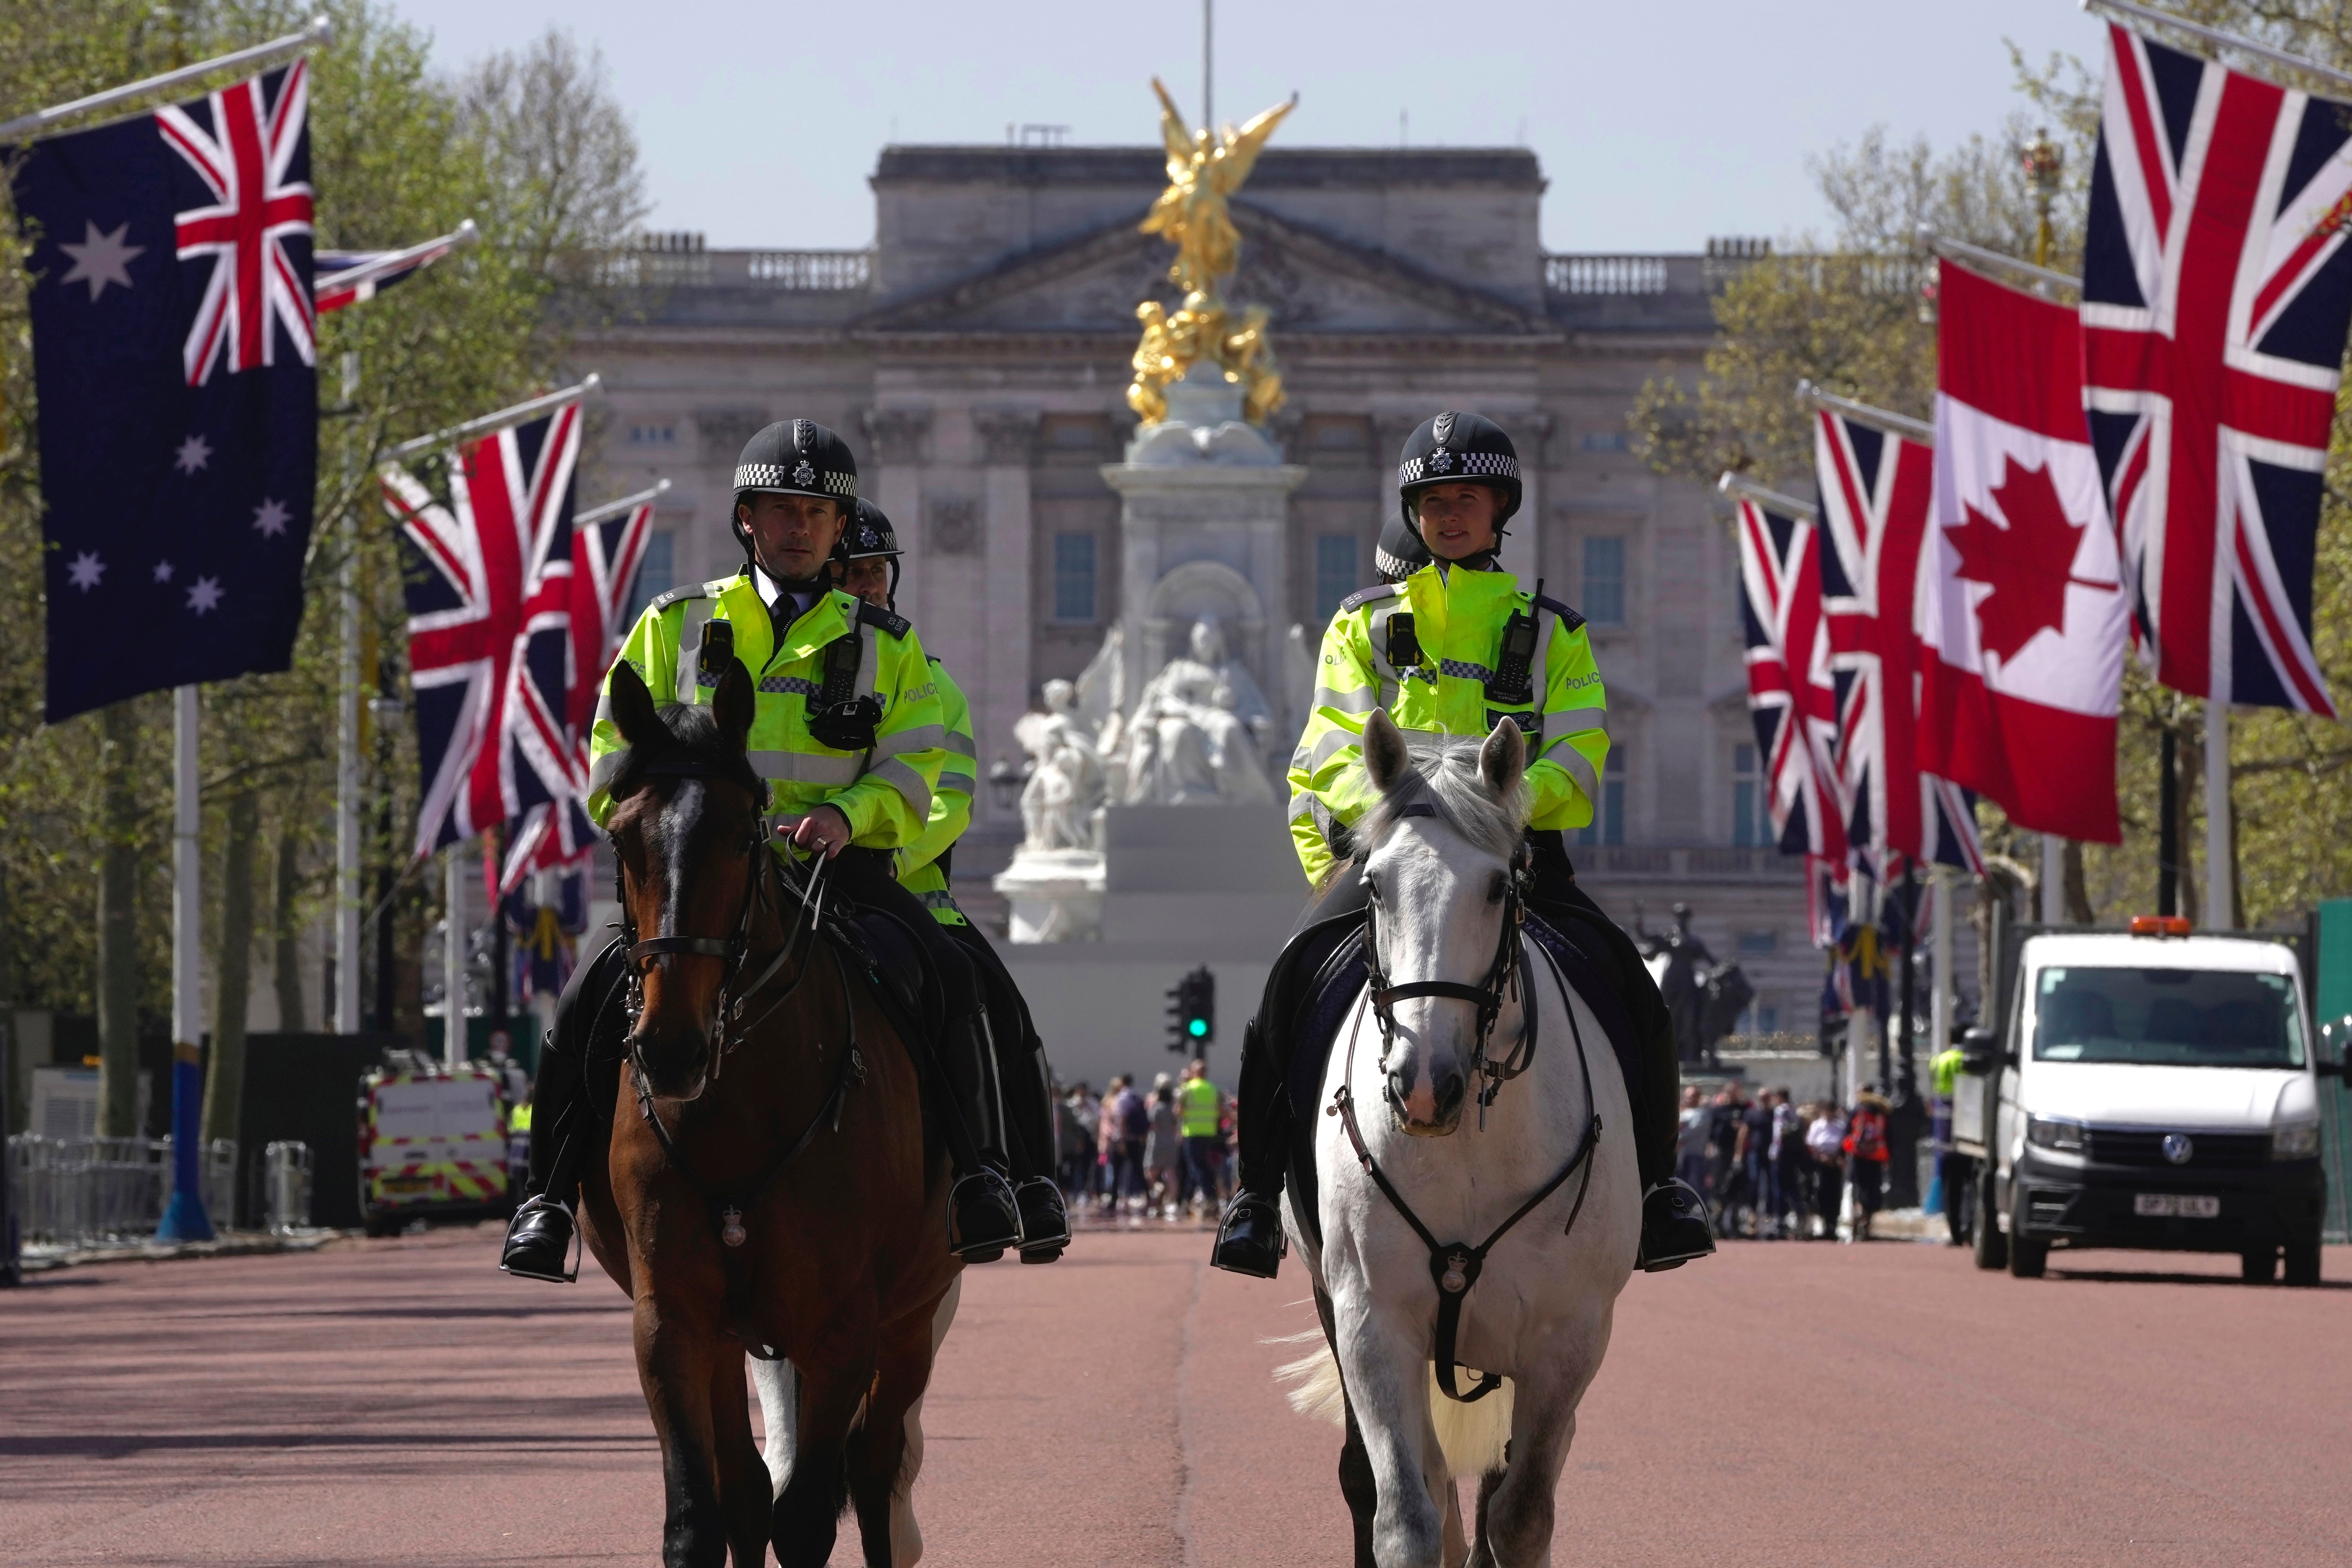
(174,348)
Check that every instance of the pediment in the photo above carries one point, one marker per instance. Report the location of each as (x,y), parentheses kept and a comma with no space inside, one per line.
(1310,282)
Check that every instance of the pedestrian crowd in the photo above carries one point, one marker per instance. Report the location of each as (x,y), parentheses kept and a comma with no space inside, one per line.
(1774,1170)
(1165,1153)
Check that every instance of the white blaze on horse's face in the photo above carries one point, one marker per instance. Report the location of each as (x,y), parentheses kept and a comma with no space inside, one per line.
(1438,903)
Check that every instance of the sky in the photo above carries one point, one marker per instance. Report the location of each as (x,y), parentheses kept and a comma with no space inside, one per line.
(1658,124)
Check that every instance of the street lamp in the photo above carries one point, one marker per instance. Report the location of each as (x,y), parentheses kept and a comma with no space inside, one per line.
(2044,159)
(1005,781)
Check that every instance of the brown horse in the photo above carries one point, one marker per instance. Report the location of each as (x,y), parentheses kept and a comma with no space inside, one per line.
(787,1200)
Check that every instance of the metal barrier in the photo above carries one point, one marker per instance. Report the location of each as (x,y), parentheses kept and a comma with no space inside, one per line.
(285,1174)
(86,1192)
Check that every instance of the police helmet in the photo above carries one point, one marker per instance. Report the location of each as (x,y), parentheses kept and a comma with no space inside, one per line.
(869,536)
(793,457)
(1450,449)
(1399,552)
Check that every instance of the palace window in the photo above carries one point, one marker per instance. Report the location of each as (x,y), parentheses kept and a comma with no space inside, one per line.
(656,571)
(653,435)
(1607,825)
(1604,581)
(1074,578)
(1751,816)
(1604,441)
(1336,575)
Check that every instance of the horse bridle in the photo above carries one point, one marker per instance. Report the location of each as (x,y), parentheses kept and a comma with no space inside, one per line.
(1505,974)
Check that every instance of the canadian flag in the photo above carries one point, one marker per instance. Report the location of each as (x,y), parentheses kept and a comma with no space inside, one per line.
(2021,607)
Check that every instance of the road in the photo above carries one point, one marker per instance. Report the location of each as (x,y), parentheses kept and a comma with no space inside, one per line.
(400,1402)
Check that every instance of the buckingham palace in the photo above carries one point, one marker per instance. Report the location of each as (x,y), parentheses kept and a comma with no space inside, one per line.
(976,359)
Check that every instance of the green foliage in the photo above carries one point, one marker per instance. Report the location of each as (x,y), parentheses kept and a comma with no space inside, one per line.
(399,153)
(1851,314)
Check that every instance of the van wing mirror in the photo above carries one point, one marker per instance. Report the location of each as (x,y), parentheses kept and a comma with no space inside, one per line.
(1979,1054)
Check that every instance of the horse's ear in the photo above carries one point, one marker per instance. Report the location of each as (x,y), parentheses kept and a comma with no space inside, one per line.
(731,705)
(1385,758)
(633,710)
(1503,759)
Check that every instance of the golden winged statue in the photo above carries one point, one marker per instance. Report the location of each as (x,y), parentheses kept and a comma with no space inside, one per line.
(1194,214)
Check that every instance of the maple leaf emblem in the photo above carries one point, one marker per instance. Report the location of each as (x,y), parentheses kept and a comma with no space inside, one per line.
(2028,565)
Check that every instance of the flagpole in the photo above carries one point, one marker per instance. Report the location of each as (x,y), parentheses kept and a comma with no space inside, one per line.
(452,956)
(1894,424)
(502,419)
(2123,11)
(183,1217)
(319,33)
(1731,484)
(1993,260)
(347,758)
(464,234)
(2220,866)
(615,508)
(2054,879)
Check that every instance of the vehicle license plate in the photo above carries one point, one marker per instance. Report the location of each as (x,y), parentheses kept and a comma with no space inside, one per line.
(424,1184)
(2175,1203)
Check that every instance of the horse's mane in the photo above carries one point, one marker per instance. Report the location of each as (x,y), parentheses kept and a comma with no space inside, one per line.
(1445,772)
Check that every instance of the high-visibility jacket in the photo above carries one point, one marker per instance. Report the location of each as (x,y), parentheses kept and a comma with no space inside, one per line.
(1945,1066)
(886,792)
(1200,1103)
(921,870)
(1459,616)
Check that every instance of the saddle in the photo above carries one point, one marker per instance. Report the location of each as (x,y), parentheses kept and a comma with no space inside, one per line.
(1318,1006)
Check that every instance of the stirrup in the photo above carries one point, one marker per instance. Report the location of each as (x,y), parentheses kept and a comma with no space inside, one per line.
(1680,1230)
(985,1247)
(1044,1219)
(1237,1251)
(517,1256)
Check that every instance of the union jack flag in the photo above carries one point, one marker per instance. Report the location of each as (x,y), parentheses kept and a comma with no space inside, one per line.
(605,555)
(1791,697)
(489,589)
(247,150)
(1875,495)
(2216,291)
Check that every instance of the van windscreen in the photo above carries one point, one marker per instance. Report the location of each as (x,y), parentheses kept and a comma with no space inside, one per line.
(2170,1018)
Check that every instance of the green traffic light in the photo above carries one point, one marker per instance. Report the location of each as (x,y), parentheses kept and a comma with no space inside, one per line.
(1197,1027)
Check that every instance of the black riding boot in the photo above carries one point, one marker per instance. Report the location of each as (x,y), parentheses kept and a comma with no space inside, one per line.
(1025,1085)
(983,1217)
(1673,1217)
(565,1126)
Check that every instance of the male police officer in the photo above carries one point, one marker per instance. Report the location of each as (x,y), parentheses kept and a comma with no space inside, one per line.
(869,568)
(847,731)
(1454,645)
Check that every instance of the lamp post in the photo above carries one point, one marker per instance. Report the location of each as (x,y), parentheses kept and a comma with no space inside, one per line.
(2044,161)
(1005,781)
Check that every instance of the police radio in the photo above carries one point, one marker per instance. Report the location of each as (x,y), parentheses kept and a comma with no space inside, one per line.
(837,716)
(717,653)
(1513,680)
(1405,644)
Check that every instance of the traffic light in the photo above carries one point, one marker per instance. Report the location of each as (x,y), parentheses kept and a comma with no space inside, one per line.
(1192,1011)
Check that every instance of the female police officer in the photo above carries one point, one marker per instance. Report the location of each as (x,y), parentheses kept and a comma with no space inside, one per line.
(1454,645)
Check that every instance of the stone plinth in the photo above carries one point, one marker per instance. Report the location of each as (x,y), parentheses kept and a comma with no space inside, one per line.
(1057,895)
(1203,532)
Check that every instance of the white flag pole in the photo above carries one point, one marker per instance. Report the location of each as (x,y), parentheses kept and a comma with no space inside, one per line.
(452,957)
(2123,11)
(1731,484)
(615,508)
(2220,866)
(457,239)
(319,33)
(520,414)
(347,760)
(1884,419)
(184,1218)
(2054,879)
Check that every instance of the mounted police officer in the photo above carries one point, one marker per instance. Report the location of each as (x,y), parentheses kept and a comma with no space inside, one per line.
(868,568)
(847,731)
(1452,644)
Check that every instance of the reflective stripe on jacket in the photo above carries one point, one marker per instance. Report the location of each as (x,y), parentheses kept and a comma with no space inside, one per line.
(920,871)
(885,793)
(1458,616)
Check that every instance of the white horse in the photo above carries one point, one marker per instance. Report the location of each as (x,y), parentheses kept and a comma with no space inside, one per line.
(1439,851)
(778,1387)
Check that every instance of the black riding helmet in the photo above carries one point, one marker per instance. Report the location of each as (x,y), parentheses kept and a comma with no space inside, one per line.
(792,457)
(1399,553)
(1452,449)
(869,535)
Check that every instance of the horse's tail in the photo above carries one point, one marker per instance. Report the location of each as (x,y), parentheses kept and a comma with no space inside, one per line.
(1472,1437)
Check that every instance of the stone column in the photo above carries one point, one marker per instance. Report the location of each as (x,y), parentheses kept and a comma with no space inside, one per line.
(1008,443)
(897,438)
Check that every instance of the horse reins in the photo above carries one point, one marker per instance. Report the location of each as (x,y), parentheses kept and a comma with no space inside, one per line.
(1455,1267)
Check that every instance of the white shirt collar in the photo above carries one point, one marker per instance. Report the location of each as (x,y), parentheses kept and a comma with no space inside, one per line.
(771,591)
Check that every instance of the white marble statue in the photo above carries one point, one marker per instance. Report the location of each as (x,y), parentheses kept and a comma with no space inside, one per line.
(1061,804)
(1198,731)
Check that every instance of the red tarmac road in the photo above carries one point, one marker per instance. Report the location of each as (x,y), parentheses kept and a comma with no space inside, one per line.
(401,1402)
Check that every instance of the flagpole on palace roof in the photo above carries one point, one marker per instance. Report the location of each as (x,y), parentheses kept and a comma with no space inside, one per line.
(615,508)
(319,33)
(504,417)
(2123,11)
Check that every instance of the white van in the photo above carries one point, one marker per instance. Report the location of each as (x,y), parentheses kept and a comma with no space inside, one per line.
(2143,1089)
